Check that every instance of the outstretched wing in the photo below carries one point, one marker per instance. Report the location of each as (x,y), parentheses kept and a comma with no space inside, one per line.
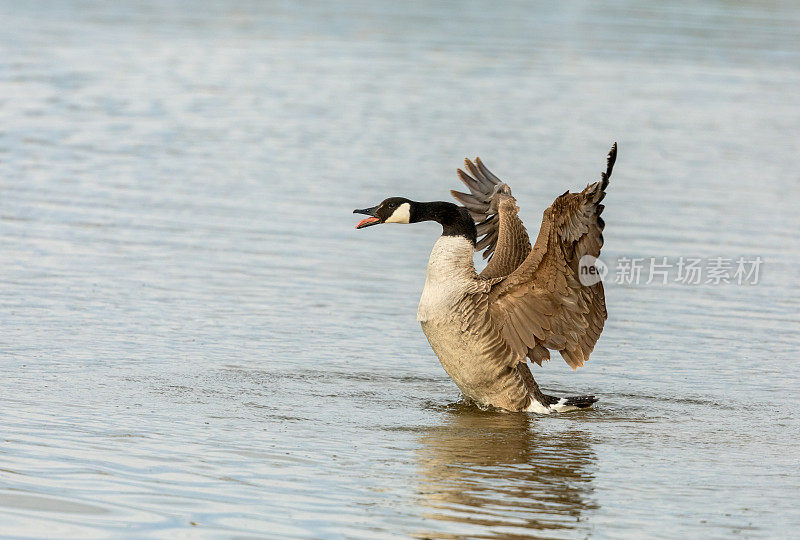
(542,304)
(504,238)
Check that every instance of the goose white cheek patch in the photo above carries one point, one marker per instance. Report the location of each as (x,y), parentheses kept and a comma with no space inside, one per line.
(401,215)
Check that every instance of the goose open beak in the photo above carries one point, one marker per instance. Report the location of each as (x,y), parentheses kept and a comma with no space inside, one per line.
(372,220)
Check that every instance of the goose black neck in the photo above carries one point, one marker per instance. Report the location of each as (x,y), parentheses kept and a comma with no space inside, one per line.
(455,220)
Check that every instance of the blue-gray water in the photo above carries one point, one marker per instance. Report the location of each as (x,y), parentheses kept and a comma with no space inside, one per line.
(195,342)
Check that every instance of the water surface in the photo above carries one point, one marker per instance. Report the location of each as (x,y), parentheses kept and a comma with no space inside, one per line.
(195,342)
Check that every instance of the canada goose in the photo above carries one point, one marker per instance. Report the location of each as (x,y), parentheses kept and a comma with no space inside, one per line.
(484,326)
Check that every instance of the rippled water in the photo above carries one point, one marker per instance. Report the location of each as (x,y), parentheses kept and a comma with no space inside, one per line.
(196,342)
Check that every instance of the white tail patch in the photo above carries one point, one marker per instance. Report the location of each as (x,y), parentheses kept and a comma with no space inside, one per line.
(402,214)
(562,406)
(537,407)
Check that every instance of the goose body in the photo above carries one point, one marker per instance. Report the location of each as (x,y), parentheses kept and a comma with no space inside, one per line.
(451,281)
(464,351)
(527,301)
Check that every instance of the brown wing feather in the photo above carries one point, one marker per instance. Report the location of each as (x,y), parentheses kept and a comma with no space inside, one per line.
(543,298)
(512,244)
(490,203)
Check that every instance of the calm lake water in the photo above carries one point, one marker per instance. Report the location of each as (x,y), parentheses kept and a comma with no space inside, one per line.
(197,343)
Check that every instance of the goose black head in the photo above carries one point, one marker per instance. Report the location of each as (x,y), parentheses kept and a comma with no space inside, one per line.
(392,210)
(455,220)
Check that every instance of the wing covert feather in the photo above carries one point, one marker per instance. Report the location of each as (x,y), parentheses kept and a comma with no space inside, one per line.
(542,304)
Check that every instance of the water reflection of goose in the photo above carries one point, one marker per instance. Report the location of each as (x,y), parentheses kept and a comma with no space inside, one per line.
(491,475)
